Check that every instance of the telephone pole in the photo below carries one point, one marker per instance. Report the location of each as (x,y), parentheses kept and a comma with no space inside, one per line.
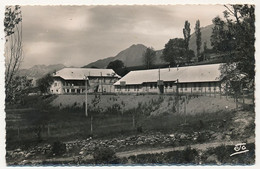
(86,96)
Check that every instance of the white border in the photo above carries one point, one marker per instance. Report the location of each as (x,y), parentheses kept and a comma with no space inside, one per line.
(122,2)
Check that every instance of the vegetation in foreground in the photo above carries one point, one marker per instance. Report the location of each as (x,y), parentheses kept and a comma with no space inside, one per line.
(38,131)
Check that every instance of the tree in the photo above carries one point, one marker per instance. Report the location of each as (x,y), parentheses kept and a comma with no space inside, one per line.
(175,52)
(118,66)
(203,55)
(13,47)
(19,88)
(236,37)
(198,37)
(149,57)
(186,34)
(44,83)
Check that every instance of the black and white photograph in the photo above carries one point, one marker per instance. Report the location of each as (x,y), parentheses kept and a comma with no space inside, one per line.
(129,85)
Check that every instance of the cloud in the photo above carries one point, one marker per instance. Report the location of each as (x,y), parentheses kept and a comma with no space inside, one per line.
(78,35)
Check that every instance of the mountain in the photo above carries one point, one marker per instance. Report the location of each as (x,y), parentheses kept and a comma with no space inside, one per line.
(205,37)
(131,57)
(39,71)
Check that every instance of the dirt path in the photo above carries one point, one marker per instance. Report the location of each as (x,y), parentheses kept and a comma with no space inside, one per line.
(203,146)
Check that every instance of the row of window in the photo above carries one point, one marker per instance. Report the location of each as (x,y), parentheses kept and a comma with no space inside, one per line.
(182,86)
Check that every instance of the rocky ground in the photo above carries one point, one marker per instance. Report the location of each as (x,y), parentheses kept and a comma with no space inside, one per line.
(237,130)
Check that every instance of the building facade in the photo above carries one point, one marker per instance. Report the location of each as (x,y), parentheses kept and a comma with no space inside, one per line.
(75,80)
(201,79)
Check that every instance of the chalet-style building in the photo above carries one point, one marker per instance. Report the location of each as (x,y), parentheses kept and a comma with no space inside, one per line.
(73,80)
(198,79)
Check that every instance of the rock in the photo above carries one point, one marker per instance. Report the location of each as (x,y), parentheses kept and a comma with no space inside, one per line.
(183,136)
(81,153)
(228,137)
(140,142)
(213,159)
(172,135)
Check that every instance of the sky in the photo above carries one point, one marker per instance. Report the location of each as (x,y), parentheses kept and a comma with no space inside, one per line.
(78,35)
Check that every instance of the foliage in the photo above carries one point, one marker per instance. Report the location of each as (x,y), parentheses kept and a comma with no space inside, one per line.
(149,57)
(175,52)
(104,156)
(58,148)
(118,66)
(18,89)
(13,47)
(44,83)
(236,37)
(198,37)
(186,34)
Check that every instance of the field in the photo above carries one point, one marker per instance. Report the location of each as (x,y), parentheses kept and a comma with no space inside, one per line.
(123,123)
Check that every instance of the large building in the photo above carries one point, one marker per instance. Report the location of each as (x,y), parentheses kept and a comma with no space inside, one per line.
(73,80)
(198,79)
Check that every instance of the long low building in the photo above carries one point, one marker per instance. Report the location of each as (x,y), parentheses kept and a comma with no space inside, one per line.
(190,79)
(73,80)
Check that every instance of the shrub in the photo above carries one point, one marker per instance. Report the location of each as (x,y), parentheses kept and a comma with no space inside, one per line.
(189,155)
(58,148)
(105,156)
(139,129)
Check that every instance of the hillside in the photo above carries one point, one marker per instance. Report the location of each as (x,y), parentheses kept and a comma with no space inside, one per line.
(132,56)
(205,37)
(39,71)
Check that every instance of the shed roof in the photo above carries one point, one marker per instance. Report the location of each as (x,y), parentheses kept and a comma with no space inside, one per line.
(199,73)
(80,73)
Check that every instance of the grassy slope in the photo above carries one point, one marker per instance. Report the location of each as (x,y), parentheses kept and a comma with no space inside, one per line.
(70,123)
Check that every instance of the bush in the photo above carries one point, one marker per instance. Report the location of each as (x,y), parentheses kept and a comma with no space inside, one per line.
(189,155)
(105,156)
(139,129)
(58,148)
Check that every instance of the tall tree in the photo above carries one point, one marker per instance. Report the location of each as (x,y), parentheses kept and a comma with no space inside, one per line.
(149,57)
(236,37)
(186,34)
(175,52)
(198,37)
(13,46)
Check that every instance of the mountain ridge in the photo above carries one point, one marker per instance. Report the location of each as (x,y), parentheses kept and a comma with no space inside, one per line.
(132,56)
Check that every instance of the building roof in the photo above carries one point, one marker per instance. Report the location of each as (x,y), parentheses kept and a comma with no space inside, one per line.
(199,73)
(80,73)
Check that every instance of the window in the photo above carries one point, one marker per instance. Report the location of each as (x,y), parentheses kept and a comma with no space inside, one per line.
(200,88)
(209,86)
(215,85)
(186,86)
(137,88)
(72,90)
(195,86)
(155,86)
(128,88)
(181,87)
(170,85)
(166,85)
(151,86)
